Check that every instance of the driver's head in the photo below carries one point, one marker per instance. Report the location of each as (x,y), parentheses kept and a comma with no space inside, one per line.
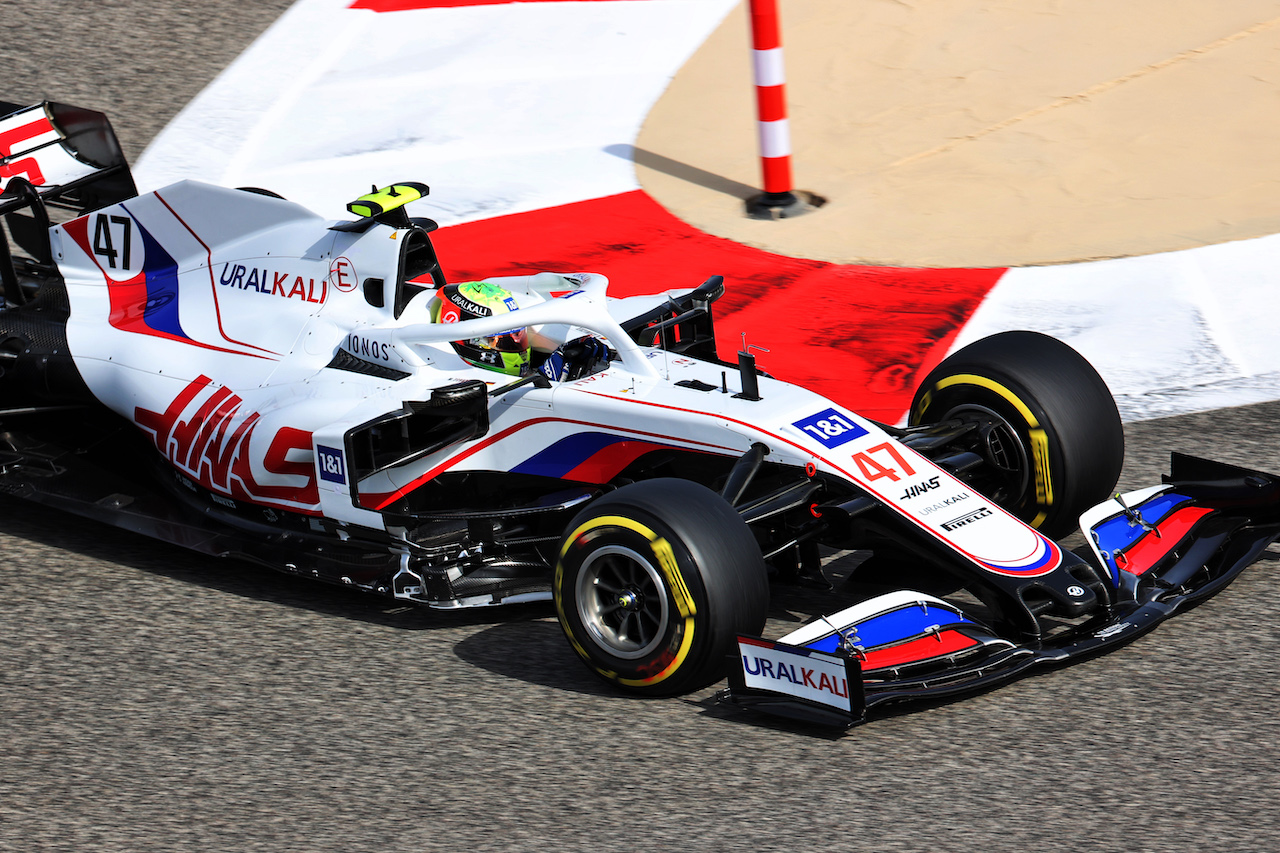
(507,352)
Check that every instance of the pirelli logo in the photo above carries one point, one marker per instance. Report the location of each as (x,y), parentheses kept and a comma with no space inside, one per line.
(1040,453)
(967,518)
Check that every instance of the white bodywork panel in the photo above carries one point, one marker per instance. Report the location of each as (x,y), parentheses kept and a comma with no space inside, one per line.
(209,317)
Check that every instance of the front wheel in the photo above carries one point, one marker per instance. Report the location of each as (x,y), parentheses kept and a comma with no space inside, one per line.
(653,584)
(1045,423)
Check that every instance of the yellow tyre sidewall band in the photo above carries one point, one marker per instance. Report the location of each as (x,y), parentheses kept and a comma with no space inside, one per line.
(676,585)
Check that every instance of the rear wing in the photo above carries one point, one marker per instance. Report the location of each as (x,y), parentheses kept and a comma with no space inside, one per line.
(51,155)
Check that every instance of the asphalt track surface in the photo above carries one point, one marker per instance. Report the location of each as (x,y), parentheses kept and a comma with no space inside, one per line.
(151,700)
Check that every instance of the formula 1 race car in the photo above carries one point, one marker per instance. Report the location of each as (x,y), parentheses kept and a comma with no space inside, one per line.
(223,369)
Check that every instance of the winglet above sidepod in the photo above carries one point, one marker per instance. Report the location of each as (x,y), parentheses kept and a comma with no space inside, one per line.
(390,198)
(387,205)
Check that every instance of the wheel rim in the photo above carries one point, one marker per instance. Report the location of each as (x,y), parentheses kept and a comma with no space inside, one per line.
(1001,445)
(622,602)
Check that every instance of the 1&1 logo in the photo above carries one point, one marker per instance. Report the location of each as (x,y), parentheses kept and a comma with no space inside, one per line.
(331,467)
(830,428)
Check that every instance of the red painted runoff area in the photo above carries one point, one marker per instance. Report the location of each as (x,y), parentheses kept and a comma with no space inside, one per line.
(863,336)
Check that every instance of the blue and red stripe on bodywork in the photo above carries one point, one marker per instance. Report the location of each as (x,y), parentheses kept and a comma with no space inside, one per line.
(589,457)
(598,462)
(148,302)
(1046,557)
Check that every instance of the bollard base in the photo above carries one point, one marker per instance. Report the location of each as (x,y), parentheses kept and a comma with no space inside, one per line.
(783,205)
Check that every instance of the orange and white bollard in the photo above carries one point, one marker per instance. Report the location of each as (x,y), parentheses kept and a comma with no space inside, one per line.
(771,104)
(780,199)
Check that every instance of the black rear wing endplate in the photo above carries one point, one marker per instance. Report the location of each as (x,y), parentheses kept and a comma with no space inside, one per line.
(683,324)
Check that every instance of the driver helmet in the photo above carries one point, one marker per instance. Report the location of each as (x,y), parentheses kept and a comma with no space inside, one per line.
(506,352)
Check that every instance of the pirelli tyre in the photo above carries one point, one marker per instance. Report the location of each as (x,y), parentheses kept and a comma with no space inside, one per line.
(653,583)
(1048,427)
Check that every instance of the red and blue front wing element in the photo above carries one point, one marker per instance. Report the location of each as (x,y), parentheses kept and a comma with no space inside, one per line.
(1134,544)
(912,634)
(901,648)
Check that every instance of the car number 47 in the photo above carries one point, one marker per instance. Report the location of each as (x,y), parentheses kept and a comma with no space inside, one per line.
(105,244)
(874,469)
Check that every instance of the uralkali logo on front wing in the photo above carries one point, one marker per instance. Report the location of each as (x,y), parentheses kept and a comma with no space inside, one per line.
(803,673)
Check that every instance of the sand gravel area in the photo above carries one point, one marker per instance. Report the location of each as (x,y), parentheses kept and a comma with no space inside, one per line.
(975,133)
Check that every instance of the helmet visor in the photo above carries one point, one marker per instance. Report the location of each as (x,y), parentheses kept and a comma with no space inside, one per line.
(516,340)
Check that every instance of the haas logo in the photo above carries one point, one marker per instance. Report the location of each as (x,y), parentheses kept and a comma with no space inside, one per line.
(918,489)
(206,447)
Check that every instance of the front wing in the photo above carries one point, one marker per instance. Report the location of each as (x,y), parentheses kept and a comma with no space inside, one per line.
(1163,549)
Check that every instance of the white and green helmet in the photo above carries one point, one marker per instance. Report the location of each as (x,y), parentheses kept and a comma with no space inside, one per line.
(507,352)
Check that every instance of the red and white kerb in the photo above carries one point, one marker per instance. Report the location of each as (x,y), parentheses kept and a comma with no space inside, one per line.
(771,101)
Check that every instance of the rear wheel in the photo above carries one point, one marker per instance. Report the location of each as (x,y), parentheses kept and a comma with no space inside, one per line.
(1047,424)
(653,584)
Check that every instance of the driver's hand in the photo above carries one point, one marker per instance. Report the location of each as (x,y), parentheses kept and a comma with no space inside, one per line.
(574,359)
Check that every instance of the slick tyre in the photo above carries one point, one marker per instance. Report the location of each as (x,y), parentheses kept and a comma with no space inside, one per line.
(654,582)
(1048,427)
